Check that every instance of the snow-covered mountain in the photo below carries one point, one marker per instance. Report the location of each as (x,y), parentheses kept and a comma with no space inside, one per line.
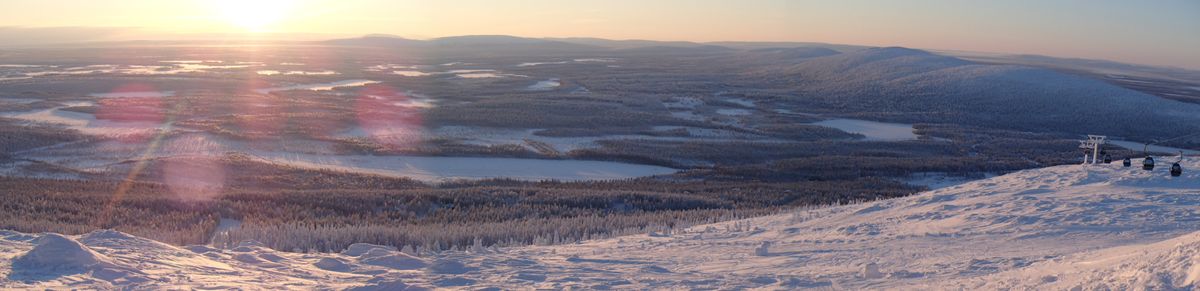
(1098,226)
(916,86)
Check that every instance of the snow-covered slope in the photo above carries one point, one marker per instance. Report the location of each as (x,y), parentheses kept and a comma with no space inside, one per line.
(1100,226)
(916,86)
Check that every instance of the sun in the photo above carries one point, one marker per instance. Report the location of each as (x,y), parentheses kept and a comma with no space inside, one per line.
(253,15)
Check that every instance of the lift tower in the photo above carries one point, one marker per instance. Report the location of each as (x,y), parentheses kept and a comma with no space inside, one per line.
(1092,145)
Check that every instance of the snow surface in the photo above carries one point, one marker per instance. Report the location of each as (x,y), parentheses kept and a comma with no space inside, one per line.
(1071,227)
(545,85)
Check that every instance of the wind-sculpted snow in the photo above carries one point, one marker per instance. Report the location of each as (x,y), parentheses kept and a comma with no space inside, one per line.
(1095,227)
(1168,265)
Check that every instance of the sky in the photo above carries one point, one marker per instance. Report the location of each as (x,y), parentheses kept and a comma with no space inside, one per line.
(1160,32)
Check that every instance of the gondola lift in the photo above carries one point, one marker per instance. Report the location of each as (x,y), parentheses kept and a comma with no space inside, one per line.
(1127,162)
(1148,162)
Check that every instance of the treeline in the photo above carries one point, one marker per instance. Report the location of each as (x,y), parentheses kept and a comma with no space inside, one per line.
(307,237)
(16,135)
(400,213)
(546,113)
(692,153)
(74,207)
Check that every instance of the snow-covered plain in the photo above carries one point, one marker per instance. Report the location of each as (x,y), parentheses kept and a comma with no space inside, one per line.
(1092,227)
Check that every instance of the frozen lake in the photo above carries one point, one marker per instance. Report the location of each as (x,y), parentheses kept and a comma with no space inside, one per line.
(436,169)
(137,94)
(545,85)
(318,87)
(302,73)
(880,131)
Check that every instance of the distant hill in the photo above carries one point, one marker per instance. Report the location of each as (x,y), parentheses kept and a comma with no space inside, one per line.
(911,85)
(377,41)
(470,45)
(767,56)
(631,43)
(585,43)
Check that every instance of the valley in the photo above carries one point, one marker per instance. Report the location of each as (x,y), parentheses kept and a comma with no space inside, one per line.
(523,155)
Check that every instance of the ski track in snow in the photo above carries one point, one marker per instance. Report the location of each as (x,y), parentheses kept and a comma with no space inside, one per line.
(1098,226)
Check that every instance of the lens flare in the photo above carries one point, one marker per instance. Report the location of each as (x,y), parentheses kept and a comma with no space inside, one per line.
(197,175)
(135,110)
(388,117)
(138,112)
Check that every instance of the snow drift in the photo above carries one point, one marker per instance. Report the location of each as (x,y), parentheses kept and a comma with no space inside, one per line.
(54,253)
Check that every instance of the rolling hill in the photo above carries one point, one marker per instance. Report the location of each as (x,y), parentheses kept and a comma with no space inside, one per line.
(908,85)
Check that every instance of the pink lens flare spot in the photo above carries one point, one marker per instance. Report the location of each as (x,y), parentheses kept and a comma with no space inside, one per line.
(197,172)
(138,109)
(385,116)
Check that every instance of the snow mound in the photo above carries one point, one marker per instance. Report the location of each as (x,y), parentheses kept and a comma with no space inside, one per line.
(251,244)
(107,234)
(247,258)
(16,236)
(360,249)
(55,255)
(200,249)
(447,266)
(55,251)
(117,239)
(389,285)
(395,260)
(332,264)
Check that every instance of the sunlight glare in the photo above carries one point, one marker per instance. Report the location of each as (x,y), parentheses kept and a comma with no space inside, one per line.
(254,15)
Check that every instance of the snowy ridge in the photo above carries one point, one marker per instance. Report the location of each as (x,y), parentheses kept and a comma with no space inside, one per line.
(1057,228)
(970,93)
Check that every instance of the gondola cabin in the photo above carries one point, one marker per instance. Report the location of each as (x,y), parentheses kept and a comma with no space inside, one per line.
(1127,162)
(1176,170)
(1148,164)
